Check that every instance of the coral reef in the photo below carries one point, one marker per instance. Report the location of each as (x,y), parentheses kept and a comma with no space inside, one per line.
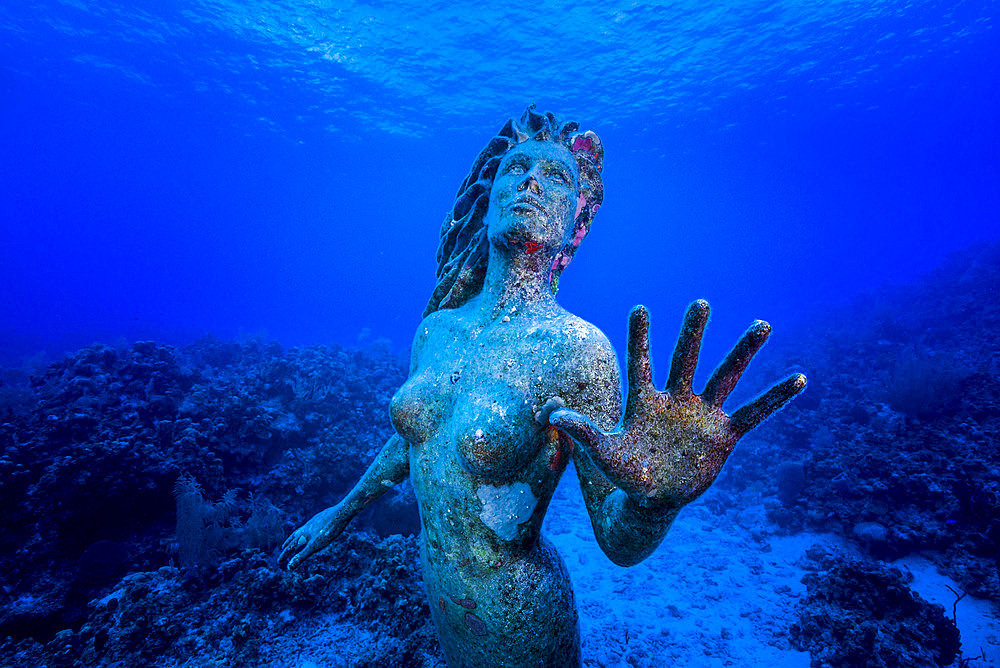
(860,613)
(92,447)
(896,442)
(246,612)
(136,480)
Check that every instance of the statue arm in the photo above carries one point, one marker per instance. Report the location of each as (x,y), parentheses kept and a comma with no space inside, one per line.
(670,445)
(391,467)
(625,531)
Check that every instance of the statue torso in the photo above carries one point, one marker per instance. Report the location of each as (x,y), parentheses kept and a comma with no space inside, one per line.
(484,470)
(474,391)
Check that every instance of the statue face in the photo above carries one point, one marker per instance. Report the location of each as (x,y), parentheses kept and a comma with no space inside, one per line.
(534,196)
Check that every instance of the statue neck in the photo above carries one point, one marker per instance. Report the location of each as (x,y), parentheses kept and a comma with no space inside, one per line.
(516,282)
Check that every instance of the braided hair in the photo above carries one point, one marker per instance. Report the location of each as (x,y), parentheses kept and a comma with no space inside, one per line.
(464,249)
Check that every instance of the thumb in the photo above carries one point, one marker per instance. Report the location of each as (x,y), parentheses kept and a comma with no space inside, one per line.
(579,427)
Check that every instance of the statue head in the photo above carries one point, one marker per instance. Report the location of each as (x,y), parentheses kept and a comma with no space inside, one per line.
(464,249)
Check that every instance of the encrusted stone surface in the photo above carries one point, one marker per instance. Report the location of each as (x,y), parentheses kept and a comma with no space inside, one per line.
(492,361)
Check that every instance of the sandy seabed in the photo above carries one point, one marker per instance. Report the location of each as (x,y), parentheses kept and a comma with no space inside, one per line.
(720,591)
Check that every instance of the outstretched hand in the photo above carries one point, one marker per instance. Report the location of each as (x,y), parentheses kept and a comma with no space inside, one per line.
(313,536)
(672,445)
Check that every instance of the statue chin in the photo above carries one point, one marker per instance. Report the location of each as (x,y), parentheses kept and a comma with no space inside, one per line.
(513,230)
(525,226)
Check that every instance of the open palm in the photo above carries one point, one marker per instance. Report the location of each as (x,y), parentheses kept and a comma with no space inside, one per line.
(671,445)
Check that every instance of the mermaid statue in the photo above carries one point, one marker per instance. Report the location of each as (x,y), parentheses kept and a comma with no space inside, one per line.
(506,387)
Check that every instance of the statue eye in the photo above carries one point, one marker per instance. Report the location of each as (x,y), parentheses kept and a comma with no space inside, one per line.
(558,174)
(516,167)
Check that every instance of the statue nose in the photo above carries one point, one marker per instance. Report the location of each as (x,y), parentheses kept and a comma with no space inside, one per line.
(530,183)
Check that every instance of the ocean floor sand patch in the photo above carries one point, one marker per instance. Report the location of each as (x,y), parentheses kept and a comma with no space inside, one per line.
(720,591)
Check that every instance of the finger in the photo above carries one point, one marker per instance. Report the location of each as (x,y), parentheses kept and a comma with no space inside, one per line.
(758,410)
(640,372)
(291,541)
(579,427)
(593,441)
(685,359)
(304,553)
(284,556)
(728,373)
(292,546)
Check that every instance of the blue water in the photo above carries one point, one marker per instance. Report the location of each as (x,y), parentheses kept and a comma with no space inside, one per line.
(175,168)
(279,170)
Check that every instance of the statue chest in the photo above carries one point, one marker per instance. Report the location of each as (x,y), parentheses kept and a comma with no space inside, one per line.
(477,409)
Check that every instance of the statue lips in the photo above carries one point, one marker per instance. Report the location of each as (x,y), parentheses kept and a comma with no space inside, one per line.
(527,202)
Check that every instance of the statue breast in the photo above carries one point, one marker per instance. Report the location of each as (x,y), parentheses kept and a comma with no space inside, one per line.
(495,438)
(486,424)
(421,407)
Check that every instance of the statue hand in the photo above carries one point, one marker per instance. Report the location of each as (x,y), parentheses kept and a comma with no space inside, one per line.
(672,445)
(312,536)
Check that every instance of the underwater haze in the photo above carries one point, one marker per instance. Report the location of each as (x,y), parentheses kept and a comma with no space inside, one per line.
(173,169)
(218,232)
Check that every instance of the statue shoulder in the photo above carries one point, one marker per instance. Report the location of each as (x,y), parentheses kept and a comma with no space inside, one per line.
(425,331)
(441,323)
(591,381)
(582,338)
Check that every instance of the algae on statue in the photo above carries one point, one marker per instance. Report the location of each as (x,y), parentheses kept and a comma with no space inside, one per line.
(506,386)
